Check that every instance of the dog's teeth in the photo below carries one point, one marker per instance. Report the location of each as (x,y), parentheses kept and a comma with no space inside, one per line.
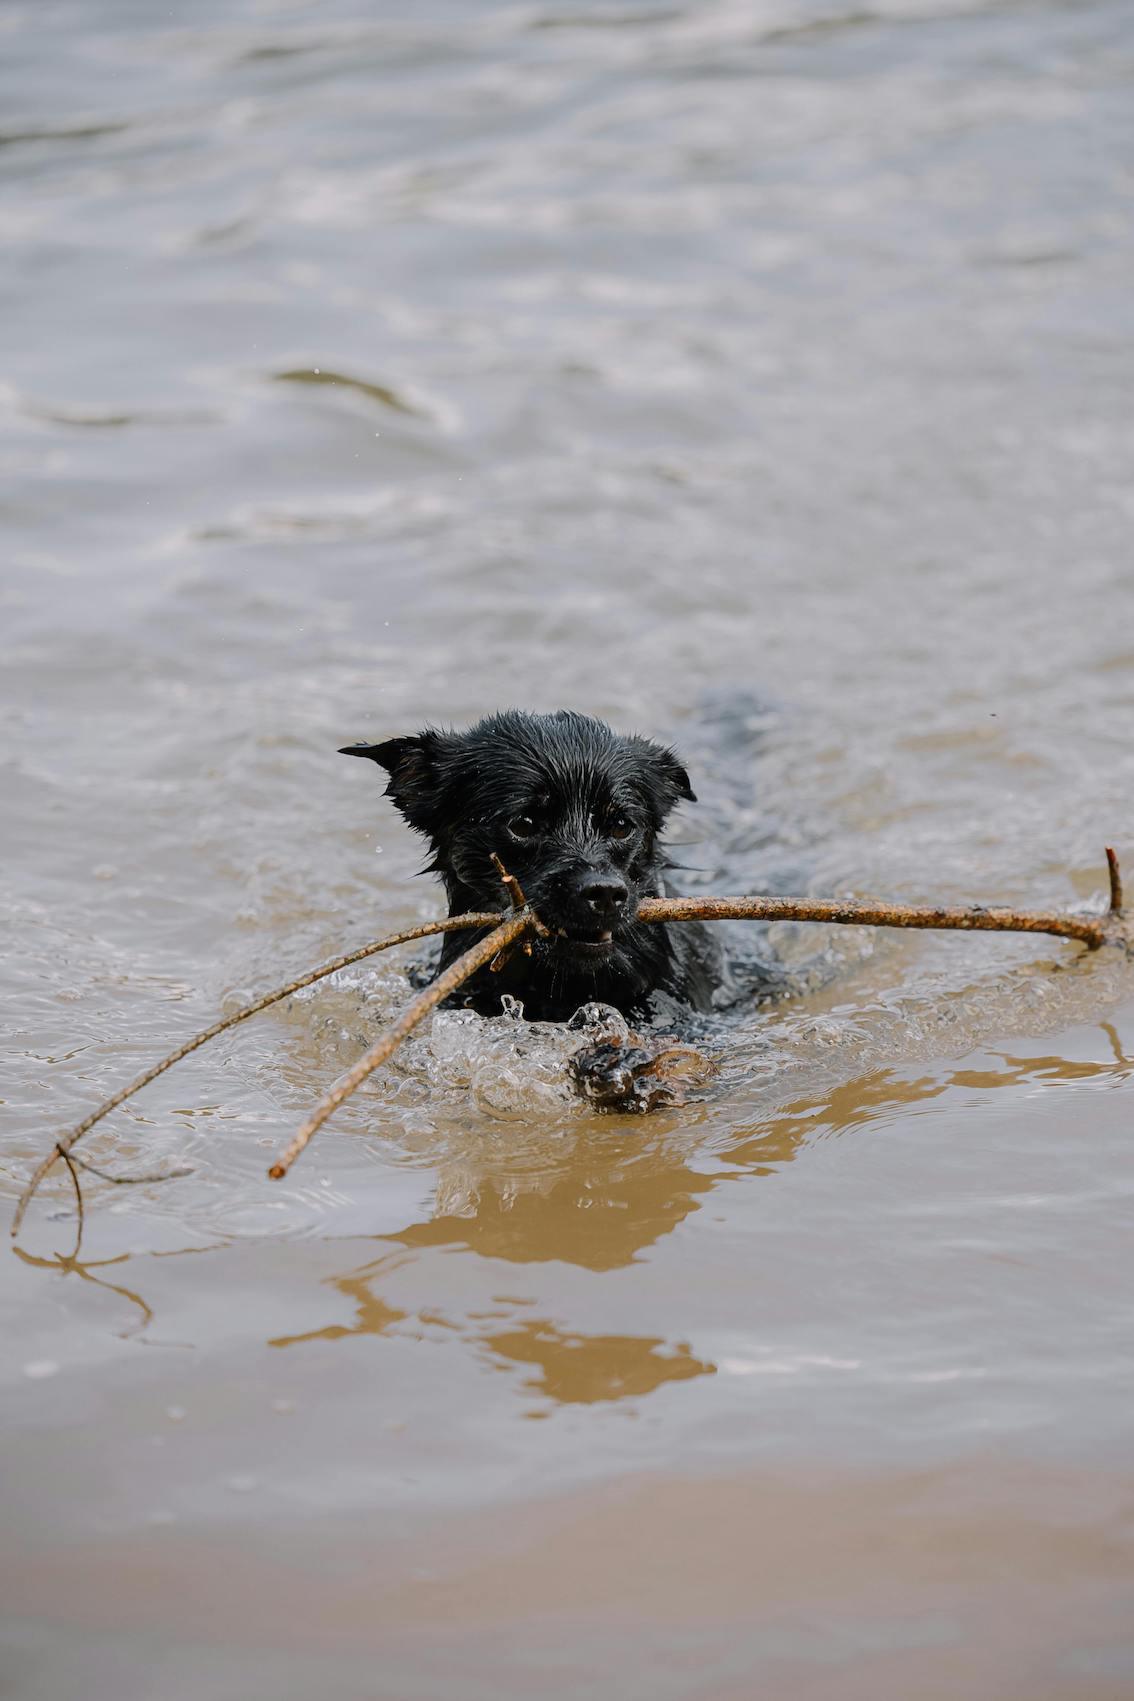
(562,932)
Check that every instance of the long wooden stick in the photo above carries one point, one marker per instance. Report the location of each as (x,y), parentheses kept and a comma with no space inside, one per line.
(63,1145)
(1092,931)
(482,952)
(868,912)
(865,912)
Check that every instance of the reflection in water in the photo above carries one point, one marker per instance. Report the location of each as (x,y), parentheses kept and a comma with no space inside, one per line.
(70,1266)
(580,1369)
(599,1215)
(615,1199)
(1050,1070)
(875,1097)
(611,1200)
(373,1316)
(847,1105)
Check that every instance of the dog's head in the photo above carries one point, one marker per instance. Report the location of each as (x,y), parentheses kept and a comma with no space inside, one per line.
(571,808)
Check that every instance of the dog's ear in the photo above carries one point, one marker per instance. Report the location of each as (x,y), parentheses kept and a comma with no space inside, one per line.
(412,766)
(663,775)
(389,755)
(660,776)
(676,775)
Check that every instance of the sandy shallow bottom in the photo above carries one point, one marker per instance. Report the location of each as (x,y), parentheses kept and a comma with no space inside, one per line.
(995,1578)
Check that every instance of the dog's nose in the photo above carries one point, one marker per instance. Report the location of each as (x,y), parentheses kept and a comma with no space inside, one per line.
(605,894)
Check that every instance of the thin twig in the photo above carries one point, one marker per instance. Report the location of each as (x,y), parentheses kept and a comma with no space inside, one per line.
(512,885)
(482,952)
(519,902)
(129,1180)
(516,893)
(70,1162)
(869,912)
(63,1145)
(1115,880)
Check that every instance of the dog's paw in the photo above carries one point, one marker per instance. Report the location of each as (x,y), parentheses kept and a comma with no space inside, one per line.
(628,1073)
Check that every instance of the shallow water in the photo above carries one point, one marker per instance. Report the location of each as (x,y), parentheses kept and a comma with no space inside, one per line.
(753,374)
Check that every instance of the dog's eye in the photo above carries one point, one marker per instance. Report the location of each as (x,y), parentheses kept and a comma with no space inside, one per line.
(522,827)
(618,827)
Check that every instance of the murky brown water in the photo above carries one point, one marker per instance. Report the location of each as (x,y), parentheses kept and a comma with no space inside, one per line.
(756,374)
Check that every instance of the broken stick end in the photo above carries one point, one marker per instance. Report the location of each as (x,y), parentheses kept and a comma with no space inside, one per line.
(1115,880)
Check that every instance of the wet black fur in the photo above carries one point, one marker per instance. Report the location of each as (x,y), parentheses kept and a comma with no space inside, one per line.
(578,784)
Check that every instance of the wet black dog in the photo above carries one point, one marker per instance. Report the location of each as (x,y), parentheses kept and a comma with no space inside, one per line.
(575,812)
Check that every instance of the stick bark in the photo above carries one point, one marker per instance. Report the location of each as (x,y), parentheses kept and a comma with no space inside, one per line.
(1115,880)
(870,912)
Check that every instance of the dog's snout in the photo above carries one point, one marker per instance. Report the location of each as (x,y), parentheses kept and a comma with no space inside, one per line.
(605,894)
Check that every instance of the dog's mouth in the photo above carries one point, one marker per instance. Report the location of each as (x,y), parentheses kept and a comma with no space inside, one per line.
(580,944)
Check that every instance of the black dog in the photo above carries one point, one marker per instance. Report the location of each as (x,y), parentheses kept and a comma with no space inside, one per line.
(574,811)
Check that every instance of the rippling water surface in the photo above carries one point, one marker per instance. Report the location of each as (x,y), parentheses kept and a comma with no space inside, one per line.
(756,373)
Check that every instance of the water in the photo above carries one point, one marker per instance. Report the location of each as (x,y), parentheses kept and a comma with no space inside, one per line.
(371,366)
